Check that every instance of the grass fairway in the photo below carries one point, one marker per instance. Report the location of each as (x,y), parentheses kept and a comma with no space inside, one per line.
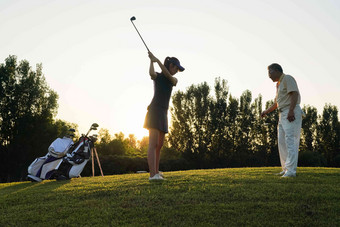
(218,197)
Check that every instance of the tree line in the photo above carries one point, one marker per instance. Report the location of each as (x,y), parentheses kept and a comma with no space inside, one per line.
(210,128)
(219,130)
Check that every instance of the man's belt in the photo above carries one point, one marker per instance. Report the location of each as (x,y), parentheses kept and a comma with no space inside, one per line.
(286,108)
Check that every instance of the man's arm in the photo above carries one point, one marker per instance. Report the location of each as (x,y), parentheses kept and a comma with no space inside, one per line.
(270,109)
(294,95)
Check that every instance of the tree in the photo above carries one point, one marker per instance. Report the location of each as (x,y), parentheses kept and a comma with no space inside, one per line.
(271,143)
(309,127)
(218,122)
(329,133)
(143,145)
(104,139)
(244,120)
(27,108)
(118,146)
(104,136)
(258,133)
(232,113)
(190,122)
(132,141)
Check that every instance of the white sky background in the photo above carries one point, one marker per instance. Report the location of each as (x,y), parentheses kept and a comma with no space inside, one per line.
(94,59)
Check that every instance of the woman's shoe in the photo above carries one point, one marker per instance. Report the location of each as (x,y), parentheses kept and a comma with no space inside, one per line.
(156,177)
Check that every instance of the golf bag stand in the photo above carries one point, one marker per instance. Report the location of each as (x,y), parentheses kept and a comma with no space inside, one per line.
(94,152)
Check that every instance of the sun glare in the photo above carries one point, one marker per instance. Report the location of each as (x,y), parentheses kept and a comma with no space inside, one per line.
(130,119)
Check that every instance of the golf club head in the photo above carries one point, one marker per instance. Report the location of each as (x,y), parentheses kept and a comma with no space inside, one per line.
(70,133)
(132,18)
(95,125)
(94,138)
(71,136)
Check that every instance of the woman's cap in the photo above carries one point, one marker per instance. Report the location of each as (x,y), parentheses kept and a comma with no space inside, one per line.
(176,62)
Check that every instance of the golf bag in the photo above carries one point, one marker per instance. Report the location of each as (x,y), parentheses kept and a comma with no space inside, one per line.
(74,162)
(64,160)
(44,167)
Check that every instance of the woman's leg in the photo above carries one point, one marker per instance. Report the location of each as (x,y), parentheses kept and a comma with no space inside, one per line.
(158,149)
(153,144)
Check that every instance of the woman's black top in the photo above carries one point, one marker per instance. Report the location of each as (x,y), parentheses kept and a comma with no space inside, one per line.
(162,92)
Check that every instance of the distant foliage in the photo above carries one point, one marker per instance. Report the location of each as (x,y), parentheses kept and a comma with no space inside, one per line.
(220,130)
(328,131)
(27,110)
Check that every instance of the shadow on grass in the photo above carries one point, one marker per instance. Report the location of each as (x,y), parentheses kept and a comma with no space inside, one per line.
(157,181)
(18,187)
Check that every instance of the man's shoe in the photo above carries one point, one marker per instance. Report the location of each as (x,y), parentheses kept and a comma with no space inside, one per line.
(161,174)
(288,174)
(156,177)
(281,173)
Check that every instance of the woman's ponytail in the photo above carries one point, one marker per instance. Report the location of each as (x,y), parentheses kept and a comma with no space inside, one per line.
(167,62)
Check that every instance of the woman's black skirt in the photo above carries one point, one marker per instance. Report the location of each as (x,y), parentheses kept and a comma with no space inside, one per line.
(157,118)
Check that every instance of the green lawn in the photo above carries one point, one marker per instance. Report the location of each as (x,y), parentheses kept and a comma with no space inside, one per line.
(217,197)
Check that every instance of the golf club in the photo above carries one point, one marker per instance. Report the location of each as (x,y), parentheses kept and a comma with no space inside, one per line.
(93,127)
(132,19)
(71,132)
(94,137)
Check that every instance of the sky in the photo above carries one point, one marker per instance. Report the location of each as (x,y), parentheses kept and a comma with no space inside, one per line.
(94,59)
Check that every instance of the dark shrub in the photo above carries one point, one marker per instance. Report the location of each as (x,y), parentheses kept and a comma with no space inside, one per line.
(336,161)
(310,158)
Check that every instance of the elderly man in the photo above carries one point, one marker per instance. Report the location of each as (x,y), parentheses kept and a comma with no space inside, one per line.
(287,101)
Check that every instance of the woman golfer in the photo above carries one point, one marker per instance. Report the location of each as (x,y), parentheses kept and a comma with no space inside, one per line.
(156,120)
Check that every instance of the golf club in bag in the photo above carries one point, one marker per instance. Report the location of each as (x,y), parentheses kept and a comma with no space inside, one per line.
(64,159)
(132,19)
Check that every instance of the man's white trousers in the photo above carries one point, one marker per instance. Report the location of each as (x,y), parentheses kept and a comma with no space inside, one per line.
(289,139)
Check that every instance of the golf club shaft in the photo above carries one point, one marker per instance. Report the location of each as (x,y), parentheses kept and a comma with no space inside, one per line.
(140,36)
(88,132)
